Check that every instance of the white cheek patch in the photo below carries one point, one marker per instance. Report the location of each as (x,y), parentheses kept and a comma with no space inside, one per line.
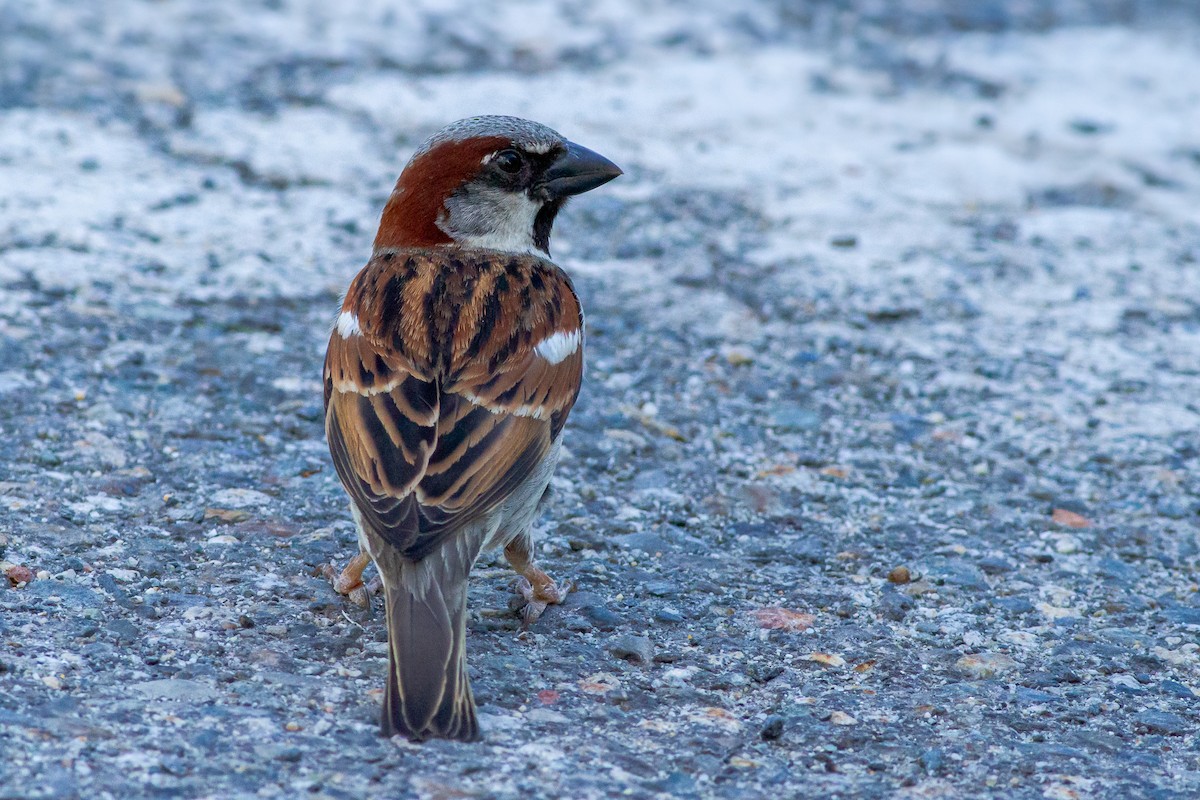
(347,325)
(558,346)
(493,219)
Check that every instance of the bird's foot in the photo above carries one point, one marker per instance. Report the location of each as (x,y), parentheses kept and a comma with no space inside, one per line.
(361,595)
(539,591)
(349,582)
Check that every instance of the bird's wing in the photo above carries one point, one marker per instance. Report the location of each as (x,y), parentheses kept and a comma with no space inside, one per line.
(446,380)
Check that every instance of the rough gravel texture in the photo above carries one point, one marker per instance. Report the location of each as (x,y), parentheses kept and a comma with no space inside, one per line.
(884,482)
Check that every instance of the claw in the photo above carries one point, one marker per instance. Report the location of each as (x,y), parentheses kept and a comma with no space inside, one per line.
(348,582)
(538,598)
(533,608)
(360,596)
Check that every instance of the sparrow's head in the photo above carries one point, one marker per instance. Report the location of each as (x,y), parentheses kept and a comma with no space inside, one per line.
(492,182)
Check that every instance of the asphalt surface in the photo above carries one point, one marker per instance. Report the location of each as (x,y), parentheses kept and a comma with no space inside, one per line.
(884,482)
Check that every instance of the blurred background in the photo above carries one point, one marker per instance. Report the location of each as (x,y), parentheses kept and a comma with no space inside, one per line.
(187,128)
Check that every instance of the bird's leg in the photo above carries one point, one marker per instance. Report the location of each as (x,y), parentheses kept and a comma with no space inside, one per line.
(538,588)
(349,581)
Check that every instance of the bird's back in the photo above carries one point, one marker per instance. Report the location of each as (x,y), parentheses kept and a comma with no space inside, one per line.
(450,373)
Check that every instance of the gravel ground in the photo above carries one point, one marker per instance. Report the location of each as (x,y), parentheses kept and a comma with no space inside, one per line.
(885,478)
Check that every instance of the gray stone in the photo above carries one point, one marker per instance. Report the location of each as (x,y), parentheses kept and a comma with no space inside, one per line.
(175,690)
(995,566)
(600,616)
(647,542)
(635,649)
(1015,605)
(933,760)
(124,631)
(662,588)
(1183,615)
(956,572)
(772,728)
(1176,689)
(72,595)
(894,605)
(1164,722)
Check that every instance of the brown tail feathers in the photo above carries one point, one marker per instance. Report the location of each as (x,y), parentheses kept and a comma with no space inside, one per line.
(428,692)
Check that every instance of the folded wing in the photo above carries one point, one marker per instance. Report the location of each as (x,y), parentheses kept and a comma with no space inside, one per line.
(446,381)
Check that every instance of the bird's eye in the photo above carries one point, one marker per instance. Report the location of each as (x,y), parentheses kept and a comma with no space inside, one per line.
(509,160)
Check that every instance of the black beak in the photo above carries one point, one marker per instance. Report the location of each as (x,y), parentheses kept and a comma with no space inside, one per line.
(577,171)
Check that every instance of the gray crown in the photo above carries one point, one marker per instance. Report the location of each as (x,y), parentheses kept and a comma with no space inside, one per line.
(525,134)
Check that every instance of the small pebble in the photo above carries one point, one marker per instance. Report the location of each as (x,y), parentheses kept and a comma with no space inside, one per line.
(1163,722)
(635,649)
(1067,544)
(985,665)
(772,728)
(601,617)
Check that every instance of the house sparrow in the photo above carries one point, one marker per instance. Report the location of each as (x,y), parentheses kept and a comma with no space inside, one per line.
(451,370)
